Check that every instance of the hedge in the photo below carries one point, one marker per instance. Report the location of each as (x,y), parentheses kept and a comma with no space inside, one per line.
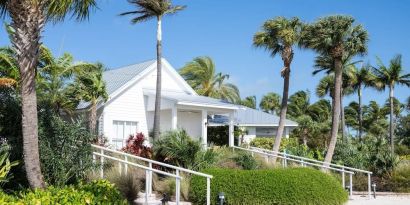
(278,186)
(96,192)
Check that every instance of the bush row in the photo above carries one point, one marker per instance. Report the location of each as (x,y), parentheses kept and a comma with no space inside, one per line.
(285,186)
(95,192)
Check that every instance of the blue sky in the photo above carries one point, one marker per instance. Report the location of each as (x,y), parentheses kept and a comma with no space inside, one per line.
(223,30)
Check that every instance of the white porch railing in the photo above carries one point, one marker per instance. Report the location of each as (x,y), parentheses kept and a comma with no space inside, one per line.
(124,158)
(303,161)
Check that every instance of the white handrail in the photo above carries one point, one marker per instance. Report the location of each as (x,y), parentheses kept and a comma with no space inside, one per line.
(154,162)
(149,171)
(295,160)
(313,160)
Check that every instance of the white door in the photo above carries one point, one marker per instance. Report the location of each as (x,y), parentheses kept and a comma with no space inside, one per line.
(122,131)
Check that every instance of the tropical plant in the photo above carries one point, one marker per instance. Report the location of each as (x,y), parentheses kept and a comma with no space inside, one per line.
(53,75)
(178,148)
(270,103)
(335,36)
(5,164)
(147,10)
(202,77)
(249,101)
(135,145)
(360,78)
(8,67)
(279,35)
(27,20)
(374,119)
(89,86)
(390,76)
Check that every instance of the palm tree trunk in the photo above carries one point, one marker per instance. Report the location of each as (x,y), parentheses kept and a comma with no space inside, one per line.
(335,111)
(28,21)
(157,112)
(93,117)
(391,128)
(342,114)
(284,107)
(359,93)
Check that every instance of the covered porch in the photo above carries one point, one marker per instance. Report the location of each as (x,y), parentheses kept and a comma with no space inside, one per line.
(189,112)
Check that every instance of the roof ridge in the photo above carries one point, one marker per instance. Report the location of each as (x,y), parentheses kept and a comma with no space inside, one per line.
(132,64)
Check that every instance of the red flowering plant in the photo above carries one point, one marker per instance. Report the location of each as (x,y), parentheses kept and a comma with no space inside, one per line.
(135,145)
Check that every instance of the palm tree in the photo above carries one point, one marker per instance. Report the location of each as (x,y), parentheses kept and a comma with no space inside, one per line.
(8,67)
(279,35)
(360,78)
(27,20)
(408,103)
(89,86)
(335,36)
(270,103)
(249,101)
(325,63)
(53,75)
(390,77)
(147,10)
(202,77)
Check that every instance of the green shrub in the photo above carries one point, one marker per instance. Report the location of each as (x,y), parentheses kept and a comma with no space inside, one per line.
(279,186)
(246,161)
(96,192)
(129,184)
(263,142)
(65,150)
(401,179)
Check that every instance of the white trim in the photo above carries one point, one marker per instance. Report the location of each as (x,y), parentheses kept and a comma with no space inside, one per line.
(207,105)
(263,125)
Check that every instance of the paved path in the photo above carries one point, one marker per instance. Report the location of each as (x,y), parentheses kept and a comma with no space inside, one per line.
(380,200)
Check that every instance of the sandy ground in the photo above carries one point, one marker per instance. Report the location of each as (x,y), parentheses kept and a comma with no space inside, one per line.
(380,200)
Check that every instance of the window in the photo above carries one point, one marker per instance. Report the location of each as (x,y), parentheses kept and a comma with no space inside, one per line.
(122,130)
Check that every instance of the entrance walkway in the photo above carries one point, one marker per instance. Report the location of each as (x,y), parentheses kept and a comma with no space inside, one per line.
(380,200)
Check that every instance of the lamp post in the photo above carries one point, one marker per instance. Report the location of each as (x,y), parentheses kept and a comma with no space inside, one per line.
(221,197)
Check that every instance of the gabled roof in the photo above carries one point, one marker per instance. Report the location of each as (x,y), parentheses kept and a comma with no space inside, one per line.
(117,78)
(245,116)
(122,78)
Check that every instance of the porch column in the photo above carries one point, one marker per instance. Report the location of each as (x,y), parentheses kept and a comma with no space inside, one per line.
(231,130)
(204,129)
(174,116)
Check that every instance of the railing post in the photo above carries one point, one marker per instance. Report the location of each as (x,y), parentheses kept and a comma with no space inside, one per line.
(146,186)
(102,164)
(301,163)
(208,191)
(150,179)
(177,188)
(343,178)
(351,185)
(126,165)
(369,184)
(286,161)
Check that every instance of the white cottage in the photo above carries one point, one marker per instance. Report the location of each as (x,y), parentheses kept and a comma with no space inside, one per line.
(130,106)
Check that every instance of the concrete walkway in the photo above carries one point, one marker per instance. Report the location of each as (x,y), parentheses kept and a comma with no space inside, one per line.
(380,200)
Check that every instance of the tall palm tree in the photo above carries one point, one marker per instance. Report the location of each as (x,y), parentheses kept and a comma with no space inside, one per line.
(28,18)
(90,86)
(270,103)
(278,36)
(360,78)
(249,101)
(390,77)
(325,63)
(147,10)
(408,103)
(335,36)
(202,77)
